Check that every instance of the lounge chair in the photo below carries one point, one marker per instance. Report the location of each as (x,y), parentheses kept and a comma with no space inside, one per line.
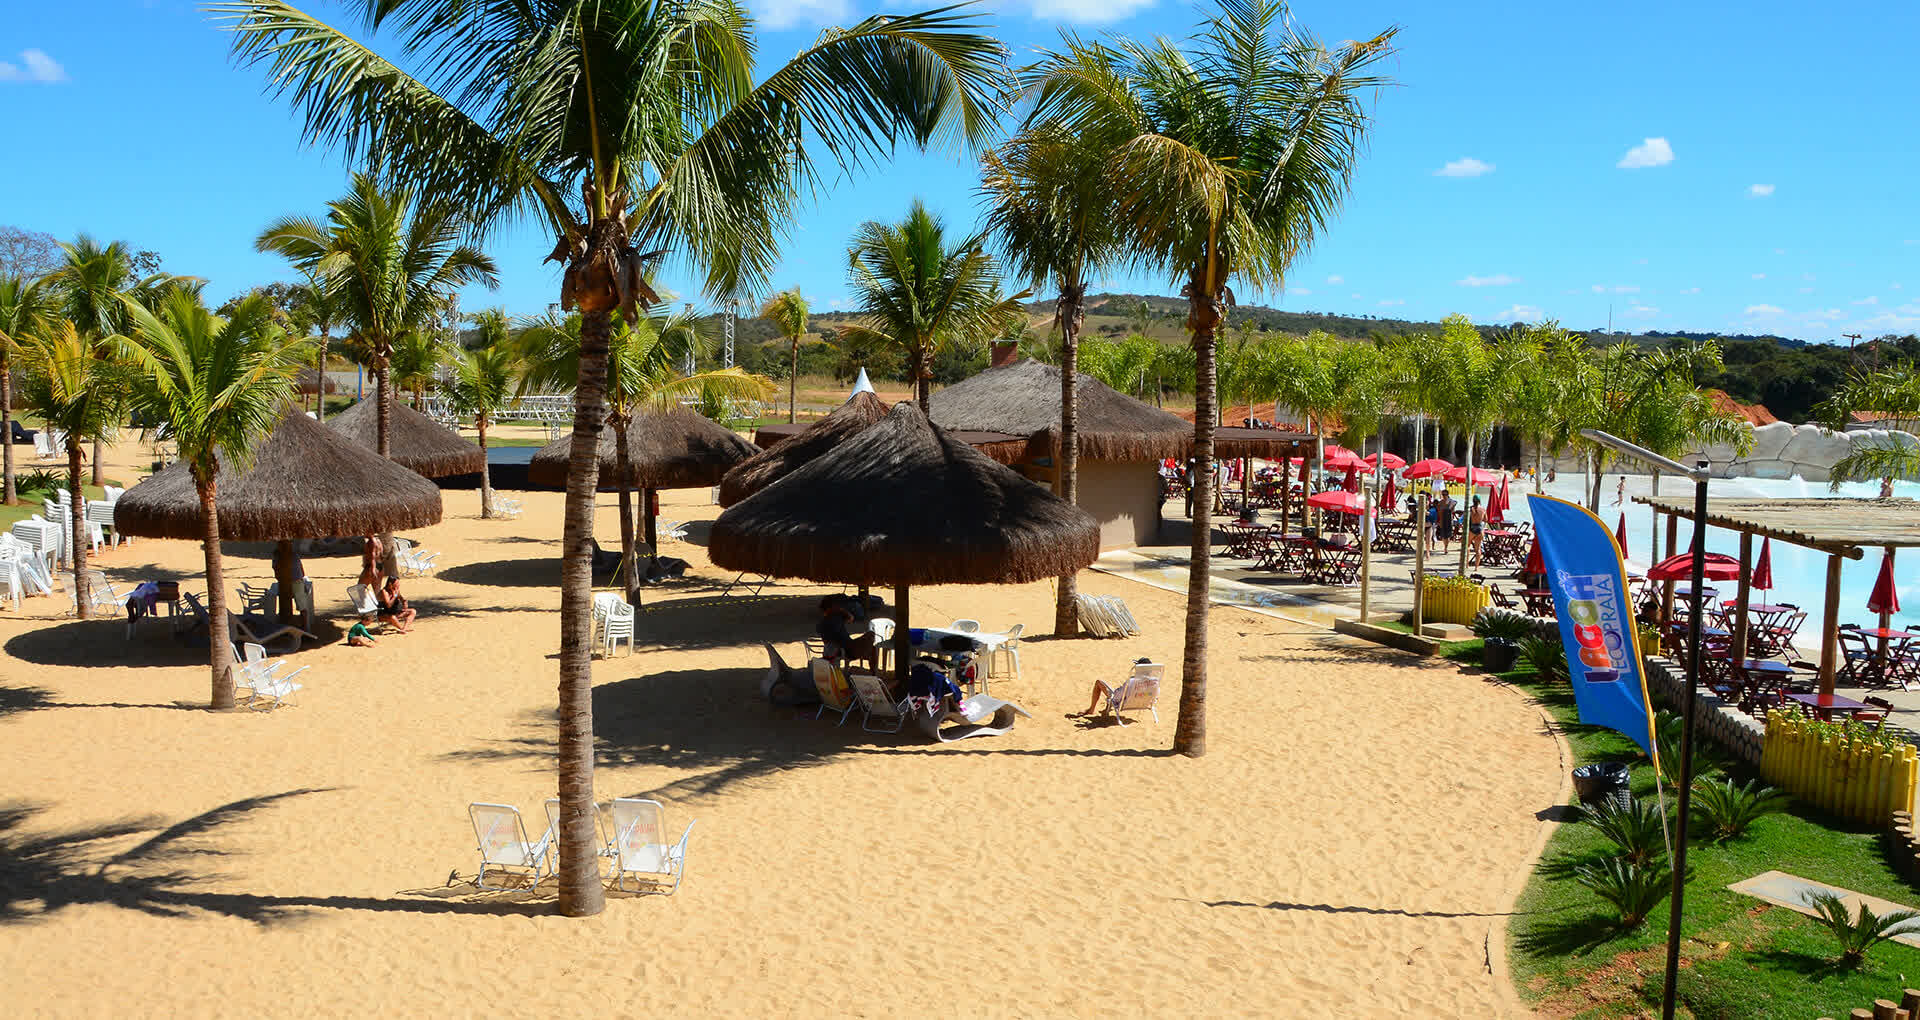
(504,843)
(506,508)
(640,847)
(1140,692)
(257,675)
(263,631)
(785,685)
(986,717)
(412,559)
(100,592)
(877,705)
(836,695)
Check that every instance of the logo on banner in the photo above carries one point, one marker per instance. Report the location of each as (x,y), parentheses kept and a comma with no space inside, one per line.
(1597,611)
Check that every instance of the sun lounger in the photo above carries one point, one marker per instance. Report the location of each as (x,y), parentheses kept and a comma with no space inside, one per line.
(263,631)
(836,695)
(877,705)
(504,843)
(785,685)
(641,850)
(1140,692)
(985,717)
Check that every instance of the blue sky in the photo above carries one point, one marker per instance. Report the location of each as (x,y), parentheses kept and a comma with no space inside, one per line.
(1684,166)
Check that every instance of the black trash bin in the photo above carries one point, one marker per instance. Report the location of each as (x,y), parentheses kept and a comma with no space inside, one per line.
(1604,782)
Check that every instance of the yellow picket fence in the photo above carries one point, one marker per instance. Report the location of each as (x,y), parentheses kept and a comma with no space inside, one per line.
(1852,777)
(1452,600)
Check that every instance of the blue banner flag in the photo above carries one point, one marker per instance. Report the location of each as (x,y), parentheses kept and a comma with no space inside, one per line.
(1590,599)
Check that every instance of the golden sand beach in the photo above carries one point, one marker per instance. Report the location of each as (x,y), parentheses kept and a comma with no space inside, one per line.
(1346,847)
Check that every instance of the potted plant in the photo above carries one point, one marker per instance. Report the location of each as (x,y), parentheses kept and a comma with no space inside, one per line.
(1500,635)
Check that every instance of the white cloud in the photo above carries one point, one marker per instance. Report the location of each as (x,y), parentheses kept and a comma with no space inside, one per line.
(1298,291)
(34,66)
(1521,313)
(1691,290)
(1806,290)
(1088,11)
(1496,280)
(1356,297)
(1759,190)
(779,14)
(1759,276)
(1468,167)
(1779,251)
(1640,311)
(1335,281)
(1871,299)
(1754,311)
(1641,262)
(1893,286)
(1618,288)
(1831,314)
(1652,152)
(1390,302)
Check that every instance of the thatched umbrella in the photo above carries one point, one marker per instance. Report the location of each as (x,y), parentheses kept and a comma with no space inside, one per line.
(769,465)
(414,441)
(1023,398)
(904,503)
(306,481)
(675,449)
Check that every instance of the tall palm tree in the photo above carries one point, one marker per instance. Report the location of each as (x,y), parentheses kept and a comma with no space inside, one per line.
(482,387)
(1891,393)
(1054,221)
(25,307)
(1475,385)
(1230,158)
(417,358)
(317,308)
(220,385)
(917,292)
(787,311)
(80,391)
(630,128)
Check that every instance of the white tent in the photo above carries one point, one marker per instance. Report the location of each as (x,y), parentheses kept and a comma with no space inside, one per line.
(861,385)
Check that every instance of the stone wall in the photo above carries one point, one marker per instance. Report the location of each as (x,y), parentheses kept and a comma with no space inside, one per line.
(1780,451)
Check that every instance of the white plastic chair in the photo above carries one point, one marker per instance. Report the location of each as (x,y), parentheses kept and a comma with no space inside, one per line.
(641,848)
(99,592)
(1010,648)
(506,508)
(965,626)
(1141,692)
(412,559)
(616,626)
(882,630)
(876,704)
(10,579)
(361,597)
(504,843)
(672,531)
(43,444)
(257,675)
(99,516)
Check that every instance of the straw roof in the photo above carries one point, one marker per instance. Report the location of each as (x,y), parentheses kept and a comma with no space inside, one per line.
(1841,526)
(904,503)
(416,441)
(675,449)
(1023,399)
(306,482)
(1231,442)
(788,454)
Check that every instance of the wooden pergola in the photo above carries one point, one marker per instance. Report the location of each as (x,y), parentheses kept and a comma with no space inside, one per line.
(1842,528)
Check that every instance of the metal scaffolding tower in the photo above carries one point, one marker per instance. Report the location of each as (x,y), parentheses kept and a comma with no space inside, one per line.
(733,308)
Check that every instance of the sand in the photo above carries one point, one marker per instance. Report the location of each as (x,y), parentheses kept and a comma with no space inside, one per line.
(1349,843)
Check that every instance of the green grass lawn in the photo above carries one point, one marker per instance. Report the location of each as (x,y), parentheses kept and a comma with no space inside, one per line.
(30,501)
(1741,957)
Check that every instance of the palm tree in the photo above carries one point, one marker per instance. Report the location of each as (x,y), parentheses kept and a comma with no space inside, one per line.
(920,294)
(1475,384)
(1304,374)
(787,311)
(25,307)
(416,361)
(79,391)
(1891,393)
(630,128)
(1054,221)
(1649,397)
(220,385)
(316,308)
(482,384)
(1230,158)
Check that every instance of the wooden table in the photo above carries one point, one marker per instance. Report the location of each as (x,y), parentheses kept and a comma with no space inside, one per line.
(1539,602)
(1824,705)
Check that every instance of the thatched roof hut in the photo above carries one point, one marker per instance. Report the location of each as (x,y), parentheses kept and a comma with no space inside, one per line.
(904,503)
(1023,399)
(675,449)
(417,442)
(802,446)
(306,482)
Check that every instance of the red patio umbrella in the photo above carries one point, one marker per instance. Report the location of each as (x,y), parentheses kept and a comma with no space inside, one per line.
(1392,495)
(1428,468)
(1337,500)
(1332,450)
(1620,535)
(1885,599)
(1536,564)
(1719,567)
(1506,496)
(1394,462)
(1482,478)
(1353,476)
(1763,570)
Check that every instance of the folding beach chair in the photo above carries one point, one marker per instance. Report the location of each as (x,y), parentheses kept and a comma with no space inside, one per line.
(552,838)
(1140,692)
(412,559)
(836,695)
(504,843)
(100,593)
(363,601)
(640,848)
(876,704)
(258,675)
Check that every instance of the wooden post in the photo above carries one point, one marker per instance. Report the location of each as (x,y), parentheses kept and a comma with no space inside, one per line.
(1419,563)
(1910,1001)
(1883,1009)
(1886,619)
(1746,595)
(1830,625)
(1286,488)
(902,639)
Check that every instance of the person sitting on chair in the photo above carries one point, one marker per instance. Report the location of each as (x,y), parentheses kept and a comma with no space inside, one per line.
(394,608)
(841,644)
(1103,690)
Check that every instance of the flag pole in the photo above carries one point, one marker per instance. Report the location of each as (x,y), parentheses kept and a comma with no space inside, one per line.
(1699,474)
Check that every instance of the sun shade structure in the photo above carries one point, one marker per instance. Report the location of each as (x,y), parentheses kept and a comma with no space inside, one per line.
(418,443)
(306,481)
(903,503)
(794,447)
(675,449)
(1023,399)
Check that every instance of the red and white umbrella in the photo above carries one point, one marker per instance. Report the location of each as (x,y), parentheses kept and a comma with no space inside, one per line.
(1429,468)
(1337,500)
(1482,478)
(1394,462)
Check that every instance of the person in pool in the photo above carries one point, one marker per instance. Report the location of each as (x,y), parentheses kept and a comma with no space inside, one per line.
(359,635)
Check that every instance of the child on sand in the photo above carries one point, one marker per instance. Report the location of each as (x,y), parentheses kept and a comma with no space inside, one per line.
(358,636)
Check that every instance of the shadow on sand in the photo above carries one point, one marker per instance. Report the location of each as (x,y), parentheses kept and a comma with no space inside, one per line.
(543,572)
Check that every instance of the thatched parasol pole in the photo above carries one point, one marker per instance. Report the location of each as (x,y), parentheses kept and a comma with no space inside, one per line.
(902,639)
(283,576)
(623,473)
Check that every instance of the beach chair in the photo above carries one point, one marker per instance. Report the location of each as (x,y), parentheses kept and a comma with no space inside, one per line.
(412,559)
(985,716)
(552,838)
(882,630)
(504,844)
(258,674)
(836,695)
(1009,649)
(506,508)
(640,847)
(876,704)
(100,593)
(672,531)
(362,599)
(1140,692)
(254,600)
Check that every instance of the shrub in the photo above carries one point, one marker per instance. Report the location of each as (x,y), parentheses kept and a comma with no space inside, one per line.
(1860,932)
(1723,809)
(39,483)
(1632,889)
(1667,727)
(1505,626)
(1635,830)
(1547,655)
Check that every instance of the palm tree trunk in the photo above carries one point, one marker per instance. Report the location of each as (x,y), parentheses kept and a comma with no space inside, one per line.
(623,472)
(81,589)
(580,891)
(94,478)
(1466,530)
(923,379)
(383,424)
(6,429)
(1066,606)
(486,474)
(1203,317)
(320,378)
(219,644)
(793,381)
(1539,480)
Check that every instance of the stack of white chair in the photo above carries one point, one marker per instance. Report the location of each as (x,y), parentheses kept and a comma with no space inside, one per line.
(1106,616)
(259,675)
(412,559)
(506,508)
(30,558)
(43,444)
(612,622)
